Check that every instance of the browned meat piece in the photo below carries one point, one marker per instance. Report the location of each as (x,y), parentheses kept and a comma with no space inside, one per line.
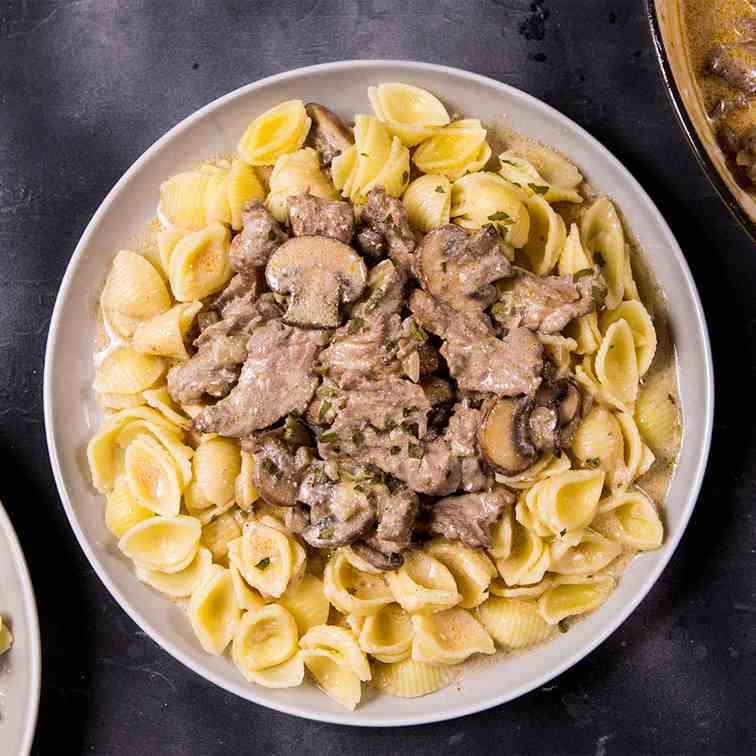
(371,244)
(313,216)
(277,378)
(396,520)
(240,293)
(344,517)
(221,349)
(373,555)
(547,304)
(387,216)
(722,63)
(296,519)
(330,135)
(725,106)
(476,358)
(260,237)
(543,426)
(462,436)
(459,270)
(468,518)
(430,360)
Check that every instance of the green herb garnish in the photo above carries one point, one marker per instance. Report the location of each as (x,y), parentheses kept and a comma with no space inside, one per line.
(549,371)
(355,324)
(394,450)
(318,476)
(593,462)
(599,259)
(501,217)
(405,177)
(263,564)
(326,532)
(321,370)
(563,626)
(415,451)
(270,467)
(357,437)
(599,295)
(440,189)
(329,438)
(417,332)
(325,406)
(272,235)
(539,189)
(584,272)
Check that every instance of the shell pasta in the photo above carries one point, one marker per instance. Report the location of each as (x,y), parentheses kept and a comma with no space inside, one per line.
(377,400)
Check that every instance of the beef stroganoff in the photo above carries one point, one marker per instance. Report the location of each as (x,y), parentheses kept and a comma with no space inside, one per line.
(378,400)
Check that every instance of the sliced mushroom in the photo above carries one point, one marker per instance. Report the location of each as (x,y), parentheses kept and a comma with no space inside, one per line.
(375,557)
(319,274)
(564,401)
(278,470)
(504,435)
(331,136)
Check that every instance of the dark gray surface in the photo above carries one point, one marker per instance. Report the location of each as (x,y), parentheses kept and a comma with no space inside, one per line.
(86,87)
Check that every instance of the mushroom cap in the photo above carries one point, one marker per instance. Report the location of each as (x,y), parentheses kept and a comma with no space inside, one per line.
(319,274)
(503,435)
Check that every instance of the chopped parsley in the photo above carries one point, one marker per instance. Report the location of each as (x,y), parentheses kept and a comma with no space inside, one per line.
(263,564)
(444,266)
(272,235)
(364,154)
(318,476)
(389,424)
(329,438)
(562,532)
(325,406)
(584,272)
(417,332)
(501,217)
(549,371)
(440,189)
(355,324)
(593,462)
(270,467)
(599,259)
(407,411)
(321,370)
(357,437)
(415,451)
(498,308)
(405,177)
(599,295)
(326,532)
(563,626)
(394,450)
(539,189)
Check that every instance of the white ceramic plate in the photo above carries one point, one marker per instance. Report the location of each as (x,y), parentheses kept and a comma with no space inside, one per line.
(72,416)
(20,667)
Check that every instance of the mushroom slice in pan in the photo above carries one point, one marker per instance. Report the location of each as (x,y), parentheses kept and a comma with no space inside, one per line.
(319,274)
(504,435)
(331,136)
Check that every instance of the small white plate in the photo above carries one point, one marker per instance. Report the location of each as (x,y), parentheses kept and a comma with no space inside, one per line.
(20,668)
(72,415)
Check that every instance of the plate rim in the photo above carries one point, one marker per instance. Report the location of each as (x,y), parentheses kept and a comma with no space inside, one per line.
(35,646)
(701,451)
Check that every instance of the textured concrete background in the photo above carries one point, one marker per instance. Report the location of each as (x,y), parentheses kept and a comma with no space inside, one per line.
(86,86)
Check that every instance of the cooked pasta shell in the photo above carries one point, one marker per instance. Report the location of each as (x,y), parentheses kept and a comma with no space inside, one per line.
(410,678)
(554,168)
(162,401)
(546,237)
(213,611)
(571,595)
(570,500)
(6,637)
(122,512)
(352,591)
(134,288)
(641,326)
(243,185)
(546,466)
(244,491)
(278,131)
(359,563)
(657,414)
(410,113)
(264,638)
(179,584)
(333,675)
(428,202)
(165,334)
(617,363)
(288,674)
(449,637)
(199,265)
(482,199)
(501,536)
(247,598)
(599,443)
(216,463)
(343,170)
(388,633)
(342,643)
(216,199)
(528,559)
(637,456)
(218,533)
(182,201)
(263,556)
(307,603)
(152,476)
(573,258)
(165,544)
(632,518)
(394,175)
(423,584)
(527,511)
(472,570)
(500,588)
(521,172)
(604,241)
(167,240)
(513,622)
(456,149)
(593,553)
(120,401)
(373,145)
(126,371)
(585,331)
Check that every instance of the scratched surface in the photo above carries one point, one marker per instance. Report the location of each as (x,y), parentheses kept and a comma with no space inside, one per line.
(85,87)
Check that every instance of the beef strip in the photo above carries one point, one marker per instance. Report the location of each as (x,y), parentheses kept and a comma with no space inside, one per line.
(547,304)
(371,244)
(386,216)
(462,435)
(388,562)
(459,270)
(739,75)
(240,292)
(277,378)
(468,518)
(313,216)
(343,517)
(396,520)
(260,237)
(221,349)
(476,357)
(296,519)
(329,134)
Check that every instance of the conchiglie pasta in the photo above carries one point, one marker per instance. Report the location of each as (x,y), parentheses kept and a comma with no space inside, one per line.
(216,463)
(637,456)
(120,401)
(183,583)
(213,611)
(388,634)
(342,643)
(585,331)
(152,476)
(334,676)
(501,589)
(456,149)
(160,400)
(641,326)
(593,553)
(528,559)
(6,637)
(571,595)
(658,418)
(449,637)
(501,537)
(126,371)
(604,241)
(423,584)
(167,240)
(599,442)
(217,533)
(242,185)
(182,201)
(294,174)
(428,202)
(244,490)
(247,598)
(165,544)
(410,678)
(165,334)
(122,512)
(216,199)
(288,674)
(306,602)
(199,264)
(472,570)
(546,237)
(484,198)
(617,364)
(263,557)
(632,518)
(394,175)
(522,173)
(276,132)
(514,623)
(410,113)
(554,168)
(264,638)
(573,257)
(353,591)
(570,500)
(546,466)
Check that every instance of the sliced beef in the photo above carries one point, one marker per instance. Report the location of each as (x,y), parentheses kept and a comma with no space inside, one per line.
(330,135)
(462,436)
(279,468)
(371,244)
(296,519)
(277,378)
(240,292)
(476,357)
(468,518)
(396,520)
(459,270)
(313,216)
(738,74)
(387,217)
(547,304)
(372,554)
(343,517)
(260,237)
